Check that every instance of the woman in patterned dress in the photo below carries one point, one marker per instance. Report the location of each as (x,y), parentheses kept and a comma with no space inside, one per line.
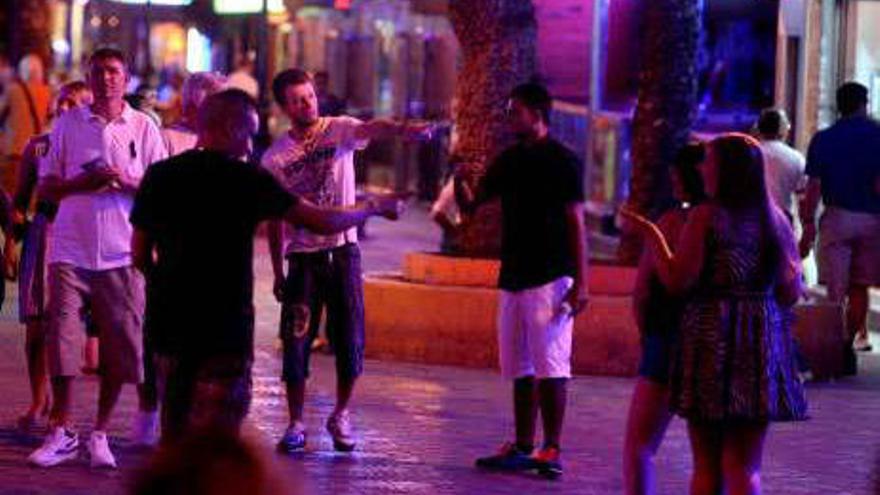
(734,373)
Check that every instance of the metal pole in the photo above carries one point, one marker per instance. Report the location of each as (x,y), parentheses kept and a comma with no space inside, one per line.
(263,138)
(147,48)
(596,78)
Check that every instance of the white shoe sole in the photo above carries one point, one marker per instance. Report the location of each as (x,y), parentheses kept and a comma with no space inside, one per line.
(54,461)
(102,465)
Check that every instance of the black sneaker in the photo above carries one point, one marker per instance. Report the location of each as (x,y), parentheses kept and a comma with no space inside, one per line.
(508,458)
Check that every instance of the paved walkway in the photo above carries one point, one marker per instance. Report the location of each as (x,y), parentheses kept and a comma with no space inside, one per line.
(422,426)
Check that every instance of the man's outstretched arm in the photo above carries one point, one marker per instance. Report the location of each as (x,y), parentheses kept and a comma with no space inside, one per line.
(334,220)
(386,129)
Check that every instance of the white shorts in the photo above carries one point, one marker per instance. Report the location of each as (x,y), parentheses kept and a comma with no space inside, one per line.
(534,337)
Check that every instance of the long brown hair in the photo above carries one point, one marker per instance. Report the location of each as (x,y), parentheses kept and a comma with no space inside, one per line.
(742,190)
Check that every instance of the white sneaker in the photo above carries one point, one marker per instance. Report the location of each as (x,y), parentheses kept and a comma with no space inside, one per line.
(145,429)
(862,343)
(60,445)
(339,427)
(99,451)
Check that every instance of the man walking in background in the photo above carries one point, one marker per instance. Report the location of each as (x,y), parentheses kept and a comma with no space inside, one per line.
(844,171)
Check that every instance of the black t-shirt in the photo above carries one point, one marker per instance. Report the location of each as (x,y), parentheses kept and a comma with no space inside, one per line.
(536,181)
(202,209)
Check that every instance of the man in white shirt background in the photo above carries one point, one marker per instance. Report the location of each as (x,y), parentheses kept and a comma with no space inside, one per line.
(97,158)
(784,166)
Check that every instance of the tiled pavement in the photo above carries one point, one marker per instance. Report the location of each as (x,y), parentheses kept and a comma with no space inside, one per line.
(422,426)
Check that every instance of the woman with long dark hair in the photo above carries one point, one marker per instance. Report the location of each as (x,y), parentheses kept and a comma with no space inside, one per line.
(657,313)
(737,262)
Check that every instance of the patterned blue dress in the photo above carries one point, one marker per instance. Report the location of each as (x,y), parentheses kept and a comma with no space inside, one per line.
(736,358)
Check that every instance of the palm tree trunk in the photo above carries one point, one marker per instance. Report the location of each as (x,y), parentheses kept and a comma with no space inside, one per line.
(665,109)
(498,41)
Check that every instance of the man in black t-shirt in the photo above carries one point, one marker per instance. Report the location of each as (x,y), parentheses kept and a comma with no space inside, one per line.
(543,277)
(195,216)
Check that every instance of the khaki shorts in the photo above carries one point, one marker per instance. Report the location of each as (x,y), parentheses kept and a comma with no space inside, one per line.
(115,299)
(849,251)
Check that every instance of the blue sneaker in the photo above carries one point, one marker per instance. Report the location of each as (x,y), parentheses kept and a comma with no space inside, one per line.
(508,458)
(294,439)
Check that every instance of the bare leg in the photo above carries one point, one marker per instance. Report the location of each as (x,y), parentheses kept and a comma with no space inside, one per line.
(344,391)
(649,417)
(296,397)
(38,370)
(553,395)
(706,446)
(741,459)
(110,390)
(857,312)
(61,391)
(91,355)
(525,411)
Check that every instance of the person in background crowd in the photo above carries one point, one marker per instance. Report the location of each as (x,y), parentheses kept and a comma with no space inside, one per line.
(446,213)
(182,136)
(543,276)
(243,78)
(7,74)
(329,104)
(735,371)
(31,273)
(784,165)
(658,314)
(844,172)
(28,99)
(784,169)
(315,160)
(169,97)
(196,212)
(97,156)
(144,100)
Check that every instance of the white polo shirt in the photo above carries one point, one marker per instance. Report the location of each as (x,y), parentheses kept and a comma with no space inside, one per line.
(91,230)
(322,174)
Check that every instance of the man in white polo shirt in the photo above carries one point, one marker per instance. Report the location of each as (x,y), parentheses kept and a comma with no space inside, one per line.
(97,157)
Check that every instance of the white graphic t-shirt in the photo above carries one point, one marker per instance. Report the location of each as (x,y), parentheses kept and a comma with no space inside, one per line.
(321,170)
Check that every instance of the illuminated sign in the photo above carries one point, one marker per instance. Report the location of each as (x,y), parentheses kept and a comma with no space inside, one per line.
(247,6)
(176,3)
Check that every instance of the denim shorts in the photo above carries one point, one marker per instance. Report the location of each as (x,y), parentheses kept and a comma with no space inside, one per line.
(325,280)
(656,356)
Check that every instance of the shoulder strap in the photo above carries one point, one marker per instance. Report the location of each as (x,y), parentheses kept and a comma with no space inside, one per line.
(38,126)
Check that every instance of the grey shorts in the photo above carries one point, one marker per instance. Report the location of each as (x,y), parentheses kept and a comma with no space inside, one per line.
(115,300)
(849,250)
